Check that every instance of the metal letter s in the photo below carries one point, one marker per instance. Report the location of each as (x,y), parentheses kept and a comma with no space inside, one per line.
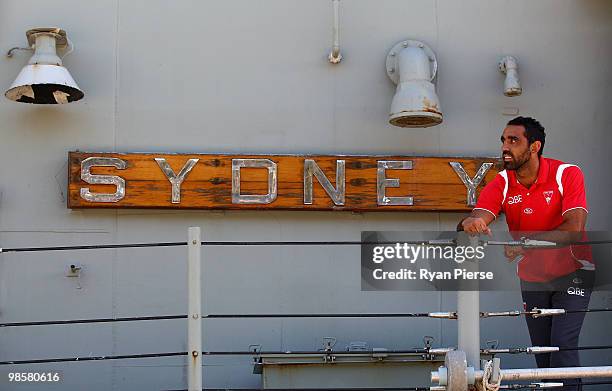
(88,177)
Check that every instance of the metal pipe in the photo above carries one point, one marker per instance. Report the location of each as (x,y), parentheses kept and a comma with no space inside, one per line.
(194,322)
(537,386)
(552,373)
(468,326)
(334,56)
(407,388)
(432,351)
(528,350)
(437,315)
(542,373)
(504,313)
(468,321)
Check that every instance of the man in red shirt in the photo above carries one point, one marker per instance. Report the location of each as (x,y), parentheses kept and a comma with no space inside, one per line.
(543,199)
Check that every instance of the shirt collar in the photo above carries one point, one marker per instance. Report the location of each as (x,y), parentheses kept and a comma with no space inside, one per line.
(542,171)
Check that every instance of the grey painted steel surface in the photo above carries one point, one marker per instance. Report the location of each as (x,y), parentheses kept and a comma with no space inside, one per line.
(259,81)
(359,370)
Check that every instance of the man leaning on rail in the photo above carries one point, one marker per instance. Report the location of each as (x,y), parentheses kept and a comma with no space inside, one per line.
(540,194)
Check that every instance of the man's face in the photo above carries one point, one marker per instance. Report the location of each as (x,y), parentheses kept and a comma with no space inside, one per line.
(515,147)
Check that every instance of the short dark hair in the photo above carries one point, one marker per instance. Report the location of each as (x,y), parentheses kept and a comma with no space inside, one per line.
(534,131)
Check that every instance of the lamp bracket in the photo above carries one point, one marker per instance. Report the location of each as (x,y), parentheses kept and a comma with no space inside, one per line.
(393,56)
(61,40)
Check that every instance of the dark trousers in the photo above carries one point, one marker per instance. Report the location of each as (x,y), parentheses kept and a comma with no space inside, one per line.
(557,330)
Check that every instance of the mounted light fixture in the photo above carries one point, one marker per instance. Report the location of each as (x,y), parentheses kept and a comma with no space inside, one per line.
(44,80)
(509,67)
(412,66)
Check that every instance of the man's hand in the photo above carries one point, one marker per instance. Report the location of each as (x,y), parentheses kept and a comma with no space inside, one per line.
(511,252)
(475,225)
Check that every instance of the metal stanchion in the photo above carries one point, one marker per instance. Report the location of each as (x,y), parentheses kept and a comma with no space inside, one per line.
(468,326)
(468,318)
(194,322)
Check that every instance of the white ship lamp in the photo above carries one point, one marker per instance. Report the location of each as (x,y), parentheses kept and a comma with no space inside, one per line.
(44,80)
(412,66)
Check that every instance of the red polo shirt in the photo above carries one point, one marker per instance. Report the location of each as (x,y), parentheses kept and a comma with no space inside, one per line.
(558,189)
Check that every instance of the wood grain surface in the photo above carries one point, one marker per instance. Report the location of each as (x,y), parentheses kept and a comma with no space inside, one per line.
(432,182)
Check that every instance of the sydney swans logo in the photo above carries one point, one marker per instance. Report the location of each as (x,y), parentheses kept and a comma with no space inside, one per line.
(548,196)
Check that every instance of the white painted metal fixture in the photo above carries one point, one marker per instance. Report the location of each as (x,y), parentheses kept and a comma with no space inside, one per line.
(456,375)
(44,80)
(334,56)
(194,304)
(412,66)
(509,67)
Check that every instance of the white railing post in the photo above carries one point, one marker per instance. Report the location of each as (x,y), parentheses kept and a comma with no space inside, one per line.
(468,318)
(468,326)
(194,321)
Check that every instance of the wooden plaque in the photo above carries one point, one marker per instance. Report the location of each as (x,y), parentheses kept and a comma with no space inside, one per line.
(138,180)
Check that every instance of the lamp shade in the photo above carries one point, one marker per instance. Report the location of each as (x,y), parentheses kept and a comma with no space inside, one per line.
(44,84)
(44,80)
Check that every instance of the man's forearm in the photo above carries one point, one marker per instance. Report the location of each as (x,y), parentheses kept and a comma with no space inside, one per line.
(569,231)
(563,234)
